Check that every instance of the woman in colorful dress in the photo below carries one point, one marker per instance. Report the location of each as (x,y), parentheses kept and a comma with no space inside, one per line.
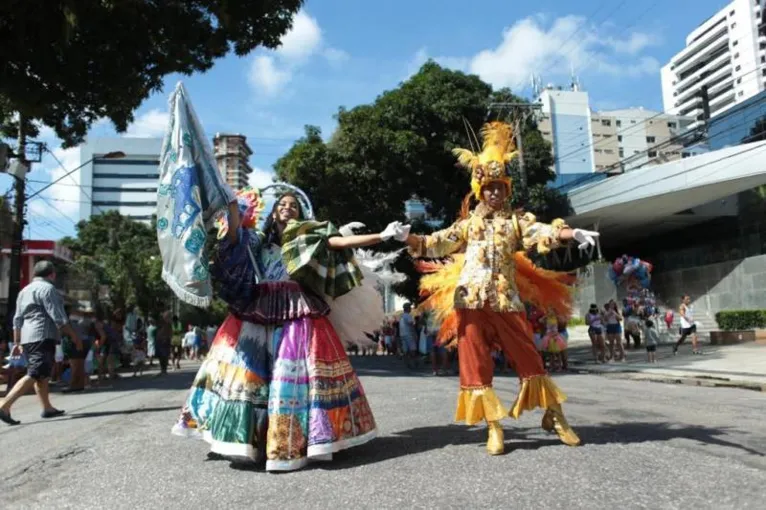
(277,383)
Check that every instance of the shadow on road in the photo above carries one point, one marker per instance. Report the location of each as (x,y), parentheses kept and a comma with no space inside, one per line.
(174,380)
(420,440)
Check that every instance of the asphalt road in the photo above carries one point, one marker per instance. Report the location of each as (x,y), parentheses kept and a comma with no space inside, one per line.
(648,445)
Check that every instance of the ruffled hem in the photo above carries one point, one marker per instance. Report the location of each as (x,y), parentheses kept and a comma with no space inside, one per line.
(475,405)
(537,391)
(278,302)
(320,452)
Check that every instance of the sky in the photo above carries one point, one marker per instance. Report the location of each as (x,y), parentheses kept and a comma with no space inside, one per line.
(347,52)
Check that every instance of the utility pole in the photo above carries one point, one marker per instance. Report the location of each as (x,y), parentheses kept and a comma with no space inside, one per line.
(22,166)
(17,242)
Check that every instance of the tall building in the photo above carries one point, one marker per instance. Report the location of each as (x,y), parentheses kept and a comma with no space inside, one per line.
(127,184)
(644,138)
(726,54)
(232,154)
(584,141)
(565,122)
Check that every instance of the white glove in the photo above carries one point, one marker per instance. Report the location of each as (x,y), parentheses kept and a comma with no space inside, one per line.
(348,229)
(403,233)
(393,230)
(585,237)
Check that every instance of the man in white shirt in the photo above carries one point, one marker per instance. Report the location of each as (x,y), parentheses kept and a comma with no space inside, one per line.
(39,319)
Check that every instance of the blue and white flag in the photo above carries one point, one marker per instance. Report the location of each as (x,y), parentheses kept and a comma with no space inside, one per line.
(190,196)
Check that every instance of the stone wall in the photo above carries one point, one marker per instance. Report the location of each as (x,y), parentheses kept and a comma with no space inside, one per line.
(734,285)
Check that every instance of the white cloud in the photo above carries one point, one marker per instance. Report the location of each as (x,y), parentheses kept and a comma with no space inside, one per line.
(151,124)
(637,42)
(260,177)
(63,198)
(266,76)
(302,40)
(534,45)
(270,72)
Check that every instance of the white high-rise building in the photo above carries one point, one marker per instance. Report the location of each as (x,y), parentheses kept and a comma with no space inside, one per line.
(726,54)
(127,184)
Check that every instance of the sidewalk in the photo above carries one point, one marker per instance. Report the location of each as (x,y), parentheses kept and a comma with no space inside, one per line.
(741,366)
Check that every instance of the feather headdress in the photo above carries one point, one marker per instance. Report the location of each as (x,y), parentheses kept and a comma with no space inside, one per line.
(491,164)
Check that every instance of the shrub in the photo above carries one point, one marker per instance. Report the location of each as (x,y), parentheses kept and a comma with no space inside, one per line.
(576,321)
(738,320)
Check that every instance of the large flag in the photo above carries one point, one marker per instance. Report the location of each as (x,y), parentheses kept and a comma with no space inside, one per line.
(190,196)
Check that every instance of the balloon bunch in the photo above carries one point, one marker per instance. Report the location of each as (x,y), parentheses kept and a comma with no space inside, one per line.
(632,272)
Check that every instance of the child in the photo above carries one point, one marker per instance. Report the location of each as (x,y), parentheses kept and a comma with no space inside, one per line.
(139,355)
(652,339)
(553,343)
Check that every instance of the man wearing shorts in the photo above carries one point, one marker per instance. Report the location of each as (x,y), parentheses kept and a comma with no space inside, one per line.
(40,318)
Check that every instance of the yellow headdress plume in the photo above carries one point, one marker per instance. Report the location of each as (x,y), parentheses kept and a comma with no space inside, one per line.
(490,165)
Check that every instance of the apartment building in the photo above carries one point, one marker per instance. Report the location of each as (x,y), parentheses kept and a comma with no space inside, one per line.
(232,153)
(725,55)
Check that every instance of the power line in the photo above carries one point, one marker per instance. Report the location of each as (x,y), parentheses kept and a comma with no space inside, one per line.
(558,159)
(598,175)
(73,180)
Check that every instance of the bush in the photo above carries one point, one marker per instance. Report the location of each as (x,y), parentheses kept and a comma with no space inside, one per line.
(738,320)
(576,321)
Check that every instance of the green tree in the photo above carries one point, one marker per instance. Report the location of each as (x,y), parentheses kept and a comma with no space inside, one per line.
(111,249)
(384,153)
(66,64)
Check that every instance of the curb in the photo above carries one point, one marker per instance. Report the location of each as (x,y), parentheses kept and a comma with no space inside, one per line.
(705,381)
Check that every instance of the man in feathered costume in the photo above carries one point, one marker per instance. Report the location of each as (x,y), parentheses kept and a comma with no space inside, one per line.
(480,295)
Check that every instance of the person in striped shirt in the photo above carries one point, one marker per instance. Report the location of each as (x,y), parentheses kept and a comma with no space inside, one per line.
(39,320)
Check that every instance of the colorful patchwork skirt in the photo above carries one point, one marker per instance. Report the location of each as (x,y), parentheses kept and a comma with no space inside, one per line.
(284,393)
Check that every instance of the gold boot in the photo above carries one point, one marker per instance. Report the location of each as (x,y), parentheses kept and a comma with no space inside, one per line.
(495,441)
(555,421)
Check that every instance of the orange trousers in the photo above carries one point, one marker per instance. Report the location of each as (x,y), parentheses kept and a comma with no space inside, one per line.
(481,331)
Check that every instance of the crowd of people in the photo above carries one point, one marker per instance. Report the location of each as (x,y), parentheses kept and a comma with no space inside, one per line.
(636,321)
(50,343)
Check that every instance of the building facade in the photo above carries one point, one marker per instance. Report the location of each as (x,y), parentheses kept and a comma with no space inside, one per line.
(726,54)
(32,252)
(232,153)
(701,222)
(127,184)
(643,138)
(586,142)
(565,121)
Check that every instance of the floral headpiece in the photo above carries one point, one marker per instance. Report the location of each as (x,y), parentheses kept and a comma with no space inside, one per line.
(491,164)
(250,209)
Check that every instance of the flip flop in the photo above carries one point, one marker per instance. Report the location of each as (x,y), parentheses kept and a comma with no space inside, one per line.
(5,417)
(52,413)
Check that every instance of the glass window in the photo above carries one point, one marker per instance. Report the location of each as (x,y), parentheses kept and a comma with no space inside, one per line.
(649,139)
(652,154)
(606,122)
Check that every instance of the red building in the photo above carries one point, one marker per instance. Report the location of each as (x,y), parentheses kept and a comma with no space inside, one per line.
(32,252)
